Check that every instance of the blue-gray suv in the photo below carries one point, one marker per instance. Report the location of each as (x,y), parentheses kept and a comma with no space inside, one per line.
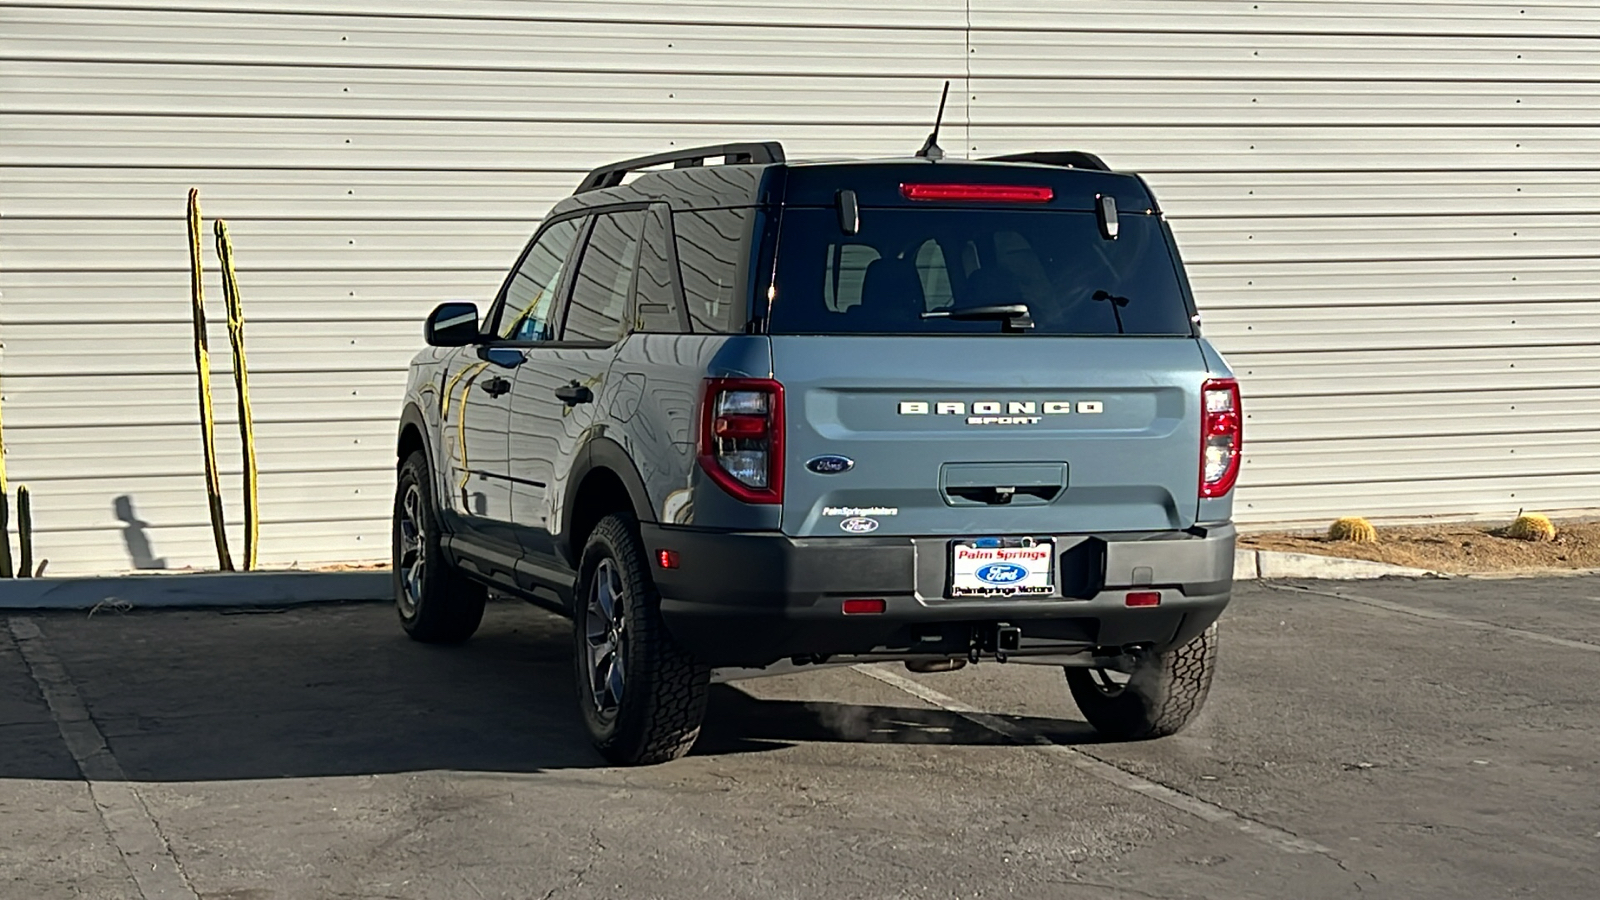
(737,415)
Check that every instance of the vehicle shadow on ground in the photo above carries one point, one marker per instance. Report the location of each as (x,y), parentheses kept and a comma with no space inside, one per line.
(328,691)
(739,723)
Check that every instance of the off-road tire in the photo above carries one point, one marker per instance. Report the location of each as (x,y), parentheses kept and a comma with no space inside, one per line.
(663,699)
(1164,693)
(443,606)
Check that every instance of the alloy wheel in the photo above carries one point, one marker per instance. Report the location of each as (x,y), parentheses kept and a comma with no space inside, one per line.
(412,563)
(1109,682)
(606,638)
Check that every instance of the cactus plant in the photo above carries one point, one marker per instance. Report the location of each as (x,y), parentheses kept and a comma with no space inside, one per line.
(1354,529)
(1532,527)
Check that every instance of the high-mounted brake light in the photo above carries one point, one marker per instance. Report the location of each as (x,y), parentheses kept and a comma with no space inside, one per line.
(993,193)
(741,437)
(1221,436)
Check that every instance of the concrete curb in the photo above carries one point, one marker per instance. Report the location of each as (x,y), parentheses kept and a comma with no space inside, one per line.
(1251,565)
(200,589)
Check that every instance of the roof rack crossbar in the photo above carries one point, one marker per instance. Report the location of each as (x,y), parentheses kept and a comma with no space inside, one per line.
(732,154)
(1072,159)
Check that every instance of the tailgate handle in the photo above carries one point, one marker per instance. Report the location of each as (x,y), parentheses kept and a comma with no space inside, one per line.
(1001,495)
(1002,484)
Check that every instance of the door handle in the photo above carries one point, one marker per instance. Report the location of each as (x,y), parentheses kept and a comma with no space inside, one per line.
(495,386)
(574,394)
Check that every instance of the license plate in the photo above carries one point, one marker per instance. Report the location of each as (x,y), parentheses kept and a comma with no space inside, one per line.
(993,567)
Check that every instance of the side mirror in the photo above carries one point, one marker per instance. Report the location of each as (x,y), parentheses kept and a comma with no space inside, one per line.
(452,325)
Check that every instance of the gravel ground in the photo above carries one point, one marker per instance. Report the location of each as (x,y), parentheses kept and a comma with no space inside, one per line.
(1377,739)
(1458,548)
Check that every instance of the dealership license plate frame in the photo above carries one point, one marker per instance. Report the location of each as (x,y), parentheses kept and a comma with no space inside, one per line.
(1039,561)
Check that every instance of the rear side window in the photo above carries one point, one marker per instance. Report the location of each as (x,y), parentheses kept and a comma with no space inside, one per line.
(599,305)
(907,263)
(655,290)
(711,246)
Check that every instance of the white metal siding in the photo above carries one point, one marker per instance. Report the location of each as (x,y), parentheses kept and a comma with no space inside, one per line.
(1389,210)
(371,162)
(1391,216)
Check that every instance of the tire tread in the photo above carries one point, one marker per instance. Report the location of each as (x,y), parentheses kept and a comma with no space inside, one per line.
(663,723)
(1161,698)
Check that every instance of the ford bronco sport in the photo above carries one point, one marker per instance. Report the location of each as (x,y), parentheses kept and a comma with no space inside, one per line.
(743,415)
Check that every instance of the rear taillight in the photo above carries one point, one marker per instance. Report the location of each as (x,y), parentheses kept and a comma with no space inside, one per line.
(1221,436)
(741,437)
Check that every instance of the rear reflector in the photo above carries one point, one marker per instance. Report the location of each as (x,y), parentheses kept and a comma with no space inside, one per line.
(740,426)
(1144,598)
(864,607)
(993,193)
(668,559)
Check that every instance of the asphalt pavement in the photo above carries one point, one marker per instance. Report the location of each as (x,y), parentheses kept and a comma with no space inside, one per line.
(1392,738)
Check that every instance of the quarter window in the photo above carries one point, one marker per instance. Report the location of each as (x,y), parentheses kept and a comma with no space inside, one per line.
(710,248)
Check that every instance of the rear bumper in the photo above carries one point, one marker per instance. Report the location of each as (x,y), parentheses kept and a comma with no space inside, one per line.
(751,599)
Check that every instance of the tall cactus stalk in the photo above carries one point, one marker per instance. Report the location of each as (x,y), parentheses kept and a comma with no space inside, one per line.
(5,536)
(24,533)
(241,383)
(5,508)
(202,362)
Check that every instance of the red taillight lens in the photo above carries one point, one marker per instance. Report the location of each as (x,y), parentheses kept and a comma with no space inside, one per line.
(1221,436)
(993,193)
(741,437)
(1143,598)
(864,607)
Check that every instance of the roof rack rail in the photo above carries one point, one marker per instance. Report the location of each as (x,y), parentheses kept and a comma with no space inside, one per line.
(732,154)
(1072,159)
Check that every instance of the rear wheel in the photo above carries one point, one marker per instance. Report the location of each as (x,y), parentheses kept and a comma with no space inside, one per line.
(1159,696)
(642,696)
(437,604)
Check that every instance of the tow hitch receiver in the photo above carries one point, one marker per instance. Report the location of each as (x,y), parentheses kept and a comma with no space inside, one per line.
(1001,639)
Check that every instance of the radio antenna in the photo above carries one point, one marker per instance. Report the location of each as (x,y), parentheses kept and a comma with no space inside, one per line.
(930,148)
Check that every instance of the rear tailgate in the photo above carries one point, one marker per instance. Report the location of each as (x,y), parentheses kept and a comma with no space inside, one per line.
(989,435)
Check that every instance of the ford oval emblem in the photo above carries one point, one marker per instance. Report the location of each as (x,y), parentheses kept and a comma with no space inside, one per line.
(1001,573)
(830,464)
(859,525)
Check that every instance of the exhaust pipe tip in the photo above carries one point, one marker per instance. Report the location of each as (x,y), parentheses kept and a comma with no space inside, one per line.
(930,666)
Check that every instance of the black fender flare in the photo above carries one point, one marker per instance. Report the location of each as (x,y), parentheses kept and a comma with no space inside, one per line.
(411,417)
(604,453)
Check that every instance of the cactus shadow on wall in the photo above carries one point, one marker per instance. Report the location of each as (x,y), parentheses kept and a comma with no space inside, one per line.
(135,534)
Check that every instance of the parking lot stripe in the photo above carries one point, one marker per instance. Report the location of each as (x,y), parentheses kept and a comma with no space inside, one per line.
(1436,615)
(1273,837)
(122,810)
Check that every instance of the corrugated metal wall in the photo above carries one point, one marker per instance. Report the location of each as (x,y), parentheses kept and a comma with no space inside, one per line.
(1390,212)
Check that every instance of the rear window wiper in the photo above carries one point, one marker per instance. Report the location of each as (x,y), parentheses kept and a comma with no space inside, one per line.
(1016,316)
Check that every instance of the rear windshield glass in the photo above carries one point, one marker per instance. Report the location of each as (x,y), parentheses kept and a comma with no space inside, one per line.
(905,264)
